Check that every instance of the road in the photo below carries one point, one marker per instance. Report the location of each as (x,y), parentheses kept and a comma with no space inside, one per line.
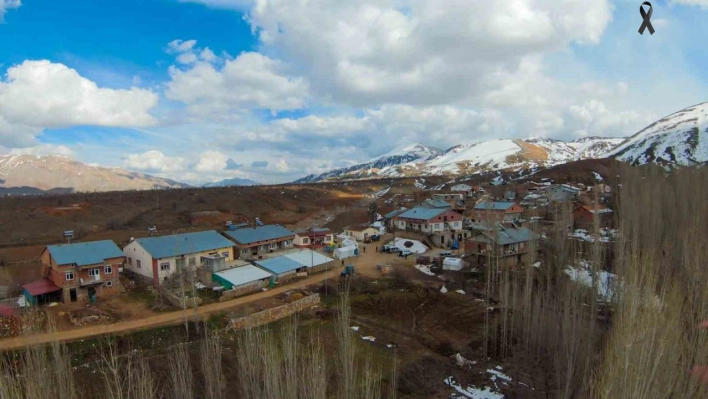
(168,318)
(365,264)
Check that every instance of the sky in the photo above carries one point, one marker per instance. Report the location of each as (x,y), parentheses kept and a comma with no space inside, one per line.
(273,90)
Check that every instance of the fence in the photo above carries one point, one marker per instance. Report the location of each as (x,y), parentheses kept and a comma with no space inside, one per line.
(274,314)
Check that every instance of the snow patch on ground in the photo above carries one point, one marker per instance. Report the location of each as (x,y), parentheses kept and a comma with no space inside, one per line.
(597,176)
(606,282)
(461,361)
(417,247)
(606,235)
(443,289)
(471,391)
(355,328)
(460,292)
(369,338)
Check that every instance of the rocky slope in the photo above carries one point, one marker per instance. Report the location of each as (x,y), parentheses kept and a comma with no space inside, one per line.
(465,159)
(678,139)
(57,173)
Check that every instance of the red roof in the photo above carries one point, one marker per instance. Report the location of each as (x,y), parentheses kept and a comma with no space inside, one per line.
(39,287)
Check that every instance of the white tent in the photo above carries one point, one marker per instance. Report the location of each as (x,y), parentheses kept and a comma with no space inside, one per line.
(341,238)
(344,252)
(349,243)
(452,264)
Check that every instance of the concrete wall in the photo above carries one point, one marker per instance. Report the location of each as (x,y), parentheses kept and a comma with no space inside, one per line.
(177,301)
(274,314)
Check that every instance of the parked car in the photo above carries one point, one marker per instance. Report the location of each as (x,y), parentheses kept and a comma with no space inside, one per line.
(405,252)
(445,254)
(375,237)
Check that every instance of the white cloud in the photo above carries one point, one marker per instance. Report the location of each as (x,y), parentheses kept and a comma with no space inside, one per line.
(181,46)
(212,161)
(282,166)
(251,80)
(154,162)
(8,5)
(372,52)
(50,95)
(45,149)
(700,3)
(187,58)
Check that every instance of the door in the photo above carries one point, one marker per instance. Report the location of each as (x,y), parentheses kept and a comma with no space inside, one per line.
(72,294)
(92,294)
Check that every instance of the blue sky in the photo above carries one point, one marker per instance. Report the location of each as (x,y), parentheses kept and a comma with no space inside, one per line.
(203,90)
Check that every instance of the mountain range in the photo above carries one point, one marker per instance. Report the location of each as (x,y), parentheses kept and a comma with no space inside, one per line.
(677,139)
(680,139)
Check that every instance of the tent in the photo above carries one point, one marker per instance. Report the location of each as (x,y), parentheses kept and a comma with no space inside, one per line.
(341,238)
(454,264)
(346,252)
(349,243)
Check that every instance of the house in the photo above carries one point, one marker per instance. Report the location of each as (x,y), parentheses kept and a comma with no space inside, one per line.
(562,193)
(502,246)
(434,204)
(388,218)
(429,220)
(254,241)
(243,280)
(509,195)
(447,197)
(461,187)
(287,266)
(83,271)
(157,258)
(494,211)
(305,238)
(584,216)
(360,232)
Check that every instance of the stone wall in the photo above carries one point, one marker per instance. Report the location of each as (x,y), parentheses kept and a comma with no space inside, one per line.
(176,301)
(274,314)
(242,290)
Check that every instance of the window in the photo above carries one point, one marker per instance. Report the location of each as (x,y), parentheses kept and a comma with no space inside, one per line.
(456,224)
(225,254)
(137,263)
(94,272)
(192,261)
(288,243)
(109,283)
(69,275)
(437,225)
(305,240)
(273,245)
(108,269)
(164,266)
(130,261)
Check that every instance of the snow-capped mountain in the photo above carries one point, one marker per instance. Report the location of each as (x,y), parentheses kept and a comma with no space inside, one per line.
(503,154)
(595,147)
(52,172)
(231,182)
(410,154)
(678,139)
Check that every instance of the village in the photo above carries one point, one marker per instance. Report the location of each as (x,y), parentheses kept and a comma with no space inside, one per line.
(453,233)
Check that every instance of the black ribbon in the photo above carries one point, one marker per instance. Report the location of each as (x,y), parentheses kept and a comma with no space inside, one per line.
(646,23)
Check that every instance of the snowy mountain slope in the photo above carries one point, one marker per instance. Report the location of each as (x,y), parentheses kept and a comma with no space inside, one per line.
(231,182)
(594,147)
(53,172)
(465,159)
(399,156)
(678,139)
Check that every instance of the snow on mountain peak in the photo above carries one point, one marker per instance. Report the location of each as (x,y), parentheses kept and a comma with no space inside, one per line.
(677,139)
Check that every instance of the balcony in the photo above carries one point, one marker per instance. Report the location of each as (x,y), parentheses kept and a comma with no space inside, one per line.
(90,280)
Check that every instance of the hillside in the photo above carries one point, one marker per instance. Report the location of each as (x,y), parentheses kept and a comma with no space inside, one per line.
(677,139)
(467,159)
(34,174)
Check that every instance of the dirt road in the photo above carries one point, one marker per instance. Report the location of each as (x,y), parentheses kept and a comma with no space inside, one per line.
(365,264)
(169,318)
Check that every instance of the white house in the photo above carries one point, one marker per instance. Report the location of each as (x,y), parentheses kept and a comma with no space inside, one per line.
(361,231)
(157,258)
(461,187)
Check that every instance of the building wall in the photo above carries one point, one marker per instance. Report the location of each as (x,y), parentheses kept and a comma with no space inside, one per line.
(304,241)
(241,289)
(245,251)
(152,268)
(109,282)
(361,235)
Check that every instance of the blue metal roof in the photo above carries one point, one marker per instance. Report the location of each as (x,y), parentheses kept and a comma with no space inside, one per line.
(279,265)
(243,275)
(260,233)
(511,235)
(494,206)
(422,213)
(85,253)
(183,244)
(434,203)
(395,213)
